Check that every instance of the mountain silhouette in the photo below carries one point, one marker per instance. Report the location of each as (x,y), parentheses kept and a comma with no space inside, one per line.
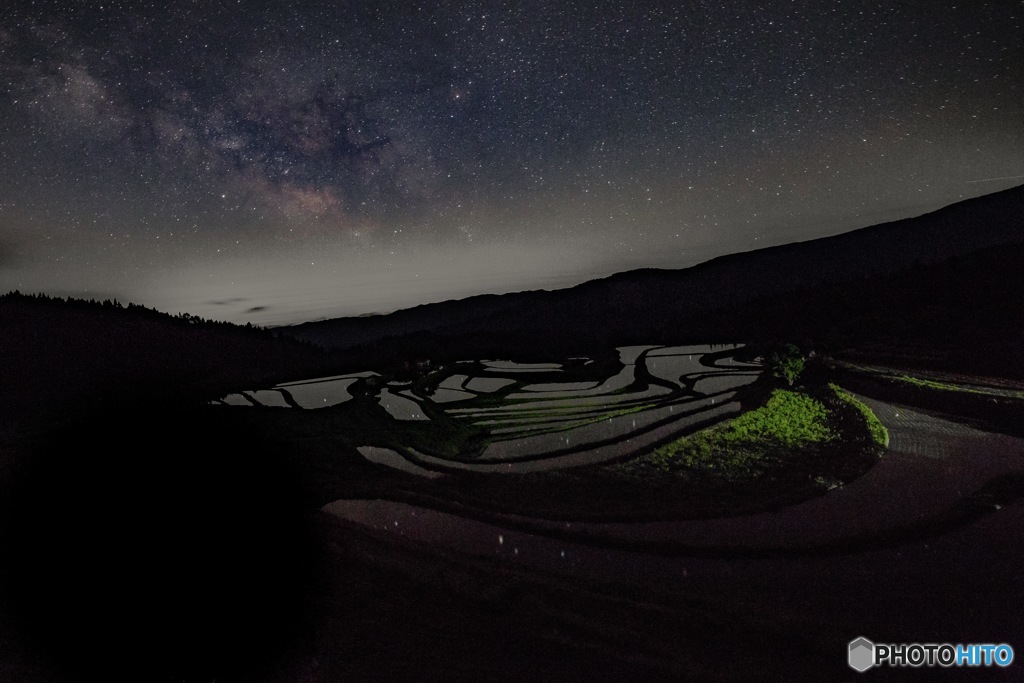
(861,287)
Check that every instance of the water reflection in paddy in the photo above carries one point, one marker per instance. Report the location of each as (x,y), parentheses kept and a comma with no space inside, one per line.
(270,397)
(321,394)
(510,365)
(453,382)
(623,379)
(488,384)
(400,407)
(442,395)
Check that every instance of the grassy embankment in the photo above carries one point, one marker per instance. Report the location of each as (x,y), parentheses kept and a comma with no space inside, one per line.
(996,408)
(809,430)
(879,433)
(792,444)
(742,447)
(947,386)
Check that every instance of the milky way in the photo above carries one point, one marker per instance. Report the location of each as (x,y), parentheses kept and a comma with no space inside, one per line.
(244,161)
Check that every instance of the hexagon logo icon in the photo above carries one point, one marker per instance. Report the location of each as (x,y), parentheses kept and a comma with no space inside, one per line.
(862,654)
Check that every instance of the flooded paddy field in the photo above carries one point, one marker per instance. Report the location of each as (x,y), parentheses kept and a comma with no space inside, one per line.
(503,435)
(510,417)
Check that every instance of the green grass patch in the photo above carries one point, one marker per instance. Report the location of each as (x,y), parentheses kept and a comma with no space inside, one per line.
(744,446)
(879,434)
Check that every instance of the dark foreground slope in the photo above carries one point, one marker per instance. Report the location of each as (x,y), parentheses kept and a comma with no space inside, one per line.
(870,285)
(129,546)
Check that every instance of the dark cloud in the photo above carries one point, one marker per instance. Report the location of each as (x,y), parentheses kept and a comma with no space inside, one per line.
(227,302)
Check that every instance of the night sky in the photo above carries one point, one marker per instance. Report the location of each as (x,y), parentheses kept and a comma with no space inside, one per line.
(255,162)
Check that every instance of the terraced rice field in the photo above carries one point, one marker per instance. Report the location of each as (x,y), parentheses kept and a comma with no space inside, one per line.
(522,421)
(488,384)
(400,407)
(322,392)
